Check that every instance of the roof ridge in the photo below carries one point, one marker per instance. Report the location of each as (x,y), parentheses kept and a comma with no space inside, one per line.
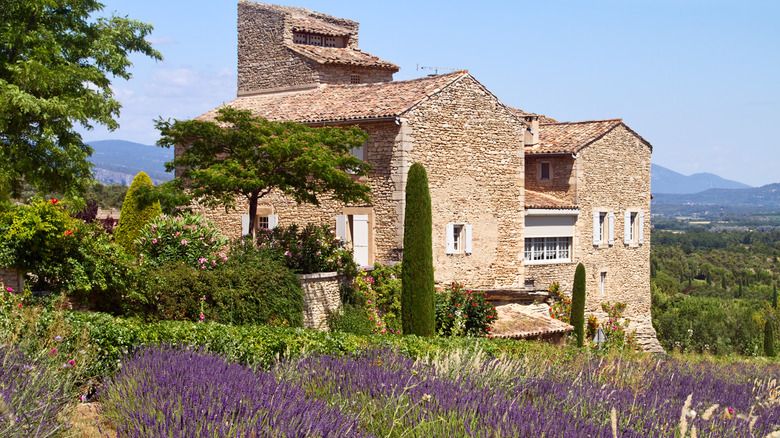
(620,120)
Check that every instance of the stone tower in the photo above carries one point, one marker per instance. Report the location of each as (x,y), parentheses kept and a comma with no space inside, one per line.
(283,48)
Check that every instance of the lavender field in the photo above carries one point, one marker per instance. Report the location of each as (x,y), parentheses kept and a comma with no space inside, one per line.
(178,392)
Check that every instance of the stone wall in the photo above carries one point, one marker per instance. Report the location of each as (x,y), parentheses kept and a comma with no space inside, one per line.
(320,298)
(562,183)
(472,148)
(331,74)
(12,278)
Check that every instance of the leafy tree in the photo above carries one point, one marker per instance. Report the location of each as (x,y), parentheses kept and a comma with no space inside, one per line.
(417,293)
(239,155)
(54,72)
(578,304)
(136,213)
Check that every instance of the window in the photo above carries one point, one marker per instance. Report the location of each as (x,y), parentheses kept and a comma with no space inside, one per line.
(548,249)
(356,229)
(355,79)
(633,223)
(602,282)
(603,228)
(269,221)
(458,239)
(544,171)
(312,39)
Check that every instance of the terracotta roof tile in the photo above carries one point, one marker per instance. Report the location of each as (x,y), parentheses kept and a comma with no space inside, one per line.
(341,56)
(313,25)
(542,118)
(543,200)
(334,103)
(571,137)
(515,321)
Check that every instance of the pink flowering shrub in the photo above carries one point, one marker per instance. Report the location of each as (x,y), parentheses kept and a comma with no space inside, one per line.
(187,239)
(311,249)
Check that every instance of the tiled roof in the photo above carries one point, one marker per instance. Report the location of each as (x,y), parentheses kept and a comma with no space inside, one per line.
(516,321)
(312,25)
(334,103)
(571,137)
(341,56)
(542,118)
(543,200)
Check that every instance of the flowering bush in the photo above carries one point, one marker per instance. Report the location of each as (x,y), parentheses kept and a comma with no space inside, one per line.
(378,292)
(62,253)
(561,309)
(313,248)
(188,239)
(615,331)
(463,312)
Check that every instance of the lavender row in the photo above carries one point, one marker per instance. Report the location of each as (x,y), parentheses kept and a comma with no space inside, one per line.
(174,392)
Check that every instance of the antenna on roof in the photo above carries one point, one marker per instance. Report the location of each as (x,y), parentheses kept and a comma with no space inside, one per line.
(436,69)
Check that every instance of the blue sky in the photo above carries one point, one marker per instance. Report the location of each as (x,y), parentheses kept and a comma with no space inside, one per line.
(698,79)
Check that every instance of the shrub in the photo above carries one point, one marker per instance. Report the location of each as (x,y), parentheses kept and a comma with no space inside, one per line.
(351,319)
(188,239)
(463,312)
(135,214)
(417,298)
(312,249)
(561,308)
(578,304)
(63,254)
(250,288)
(769,339)
(616,331)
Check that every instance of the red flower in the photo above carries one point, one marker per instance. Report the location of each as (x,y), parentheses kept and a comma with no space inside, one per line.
(68,232)
(54,201)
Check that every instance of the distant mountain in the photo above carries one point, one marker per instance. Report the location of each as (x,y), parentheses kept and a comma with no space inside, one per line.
(765,198)
(119,161)
(664,180)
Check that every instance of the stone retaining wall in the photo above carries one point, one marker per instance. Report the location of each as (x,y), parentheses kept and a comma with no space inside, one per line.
(12,278)
(320,297)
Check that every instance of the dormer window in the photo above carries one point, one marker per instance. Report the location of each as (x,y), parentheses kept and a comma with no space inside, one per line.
(313,39)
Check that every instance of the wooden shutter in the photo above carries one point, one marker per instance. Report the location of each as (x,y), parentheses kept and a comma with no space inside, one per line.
(641,227)
(360,239)
(341,227)
(450,238)
(244,224)
(467,230)
(596,228)
(611,228)
(627,227)
(273,221)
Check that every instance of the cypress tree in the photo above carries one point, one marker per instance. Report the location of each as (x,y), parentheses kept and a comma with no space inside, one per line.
(774,296)
(578,305)
(135,214)
(417,293)
(769,339)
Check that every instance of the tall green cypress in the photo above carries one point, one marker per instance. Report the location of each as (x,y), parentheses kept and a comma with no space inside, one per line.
(135,214)
(769,338)
(417,293)
(578,305)
(774,296)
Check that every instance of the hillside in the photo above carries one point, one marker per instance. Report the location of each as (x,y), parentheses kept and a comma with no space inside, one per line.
(118,161)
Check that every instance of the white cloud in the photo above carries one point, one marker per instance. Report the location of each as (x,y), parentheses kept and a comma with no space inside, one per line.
(177,93)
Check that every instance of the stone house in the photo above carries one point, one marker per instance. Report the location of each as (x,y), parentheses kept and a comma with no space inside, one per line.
(516,197)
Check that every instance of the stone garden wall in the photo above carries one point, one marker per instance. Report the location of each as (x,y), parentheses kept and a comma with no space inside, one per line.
(12,278)
(320,297)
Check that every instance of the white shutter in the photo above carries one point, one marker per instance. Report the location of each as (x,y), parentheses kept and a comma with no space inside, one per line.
(273,221)
(360,239)
(641,227)
(467,229)
(627,227)
(341,227)
(611,228)
(244,224)
(596,228)
(450,238)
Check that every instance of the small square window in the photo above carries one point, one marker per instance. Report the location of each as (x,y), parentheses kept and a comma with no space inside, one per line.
(355,79)
(300,38)
(331,41)
(262,222)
